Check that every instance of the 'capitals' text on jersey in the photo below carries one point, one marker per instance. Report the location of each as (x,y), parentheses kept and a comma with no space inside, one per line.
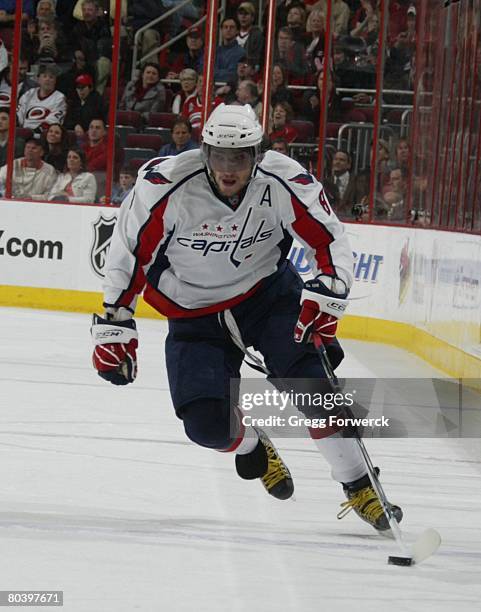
(195,255)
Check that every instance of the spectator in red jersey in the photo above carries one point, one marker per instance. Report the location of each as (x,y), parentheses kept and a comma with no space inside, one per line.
(397,19)
(282,115)
(192,107)
(96,147)
(145,95)
(188,84)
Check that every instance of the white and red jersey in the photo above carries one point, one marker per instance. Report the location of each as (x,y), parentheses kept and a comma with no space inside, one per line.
(194,255)
(192,109)
(35,111)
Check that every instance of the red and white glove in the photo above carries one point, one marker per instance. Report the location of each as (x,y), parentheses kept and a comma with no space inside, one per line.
(323,302)
(115,341)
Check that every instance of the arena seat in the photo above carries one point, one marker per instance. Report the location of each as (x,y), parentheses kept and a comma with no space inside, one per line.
(165,120)
(132,118)
(164,133)
(138,153)
(305,130)
(332,129)
(145,141)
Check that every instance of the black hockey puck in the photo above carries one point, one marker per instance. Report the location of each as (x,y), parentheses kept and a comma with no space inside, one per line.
(406,561)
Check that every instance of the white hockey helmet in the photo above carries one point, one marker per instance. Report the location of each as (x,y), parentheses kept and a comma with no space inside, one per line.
(232,126)
(231,139)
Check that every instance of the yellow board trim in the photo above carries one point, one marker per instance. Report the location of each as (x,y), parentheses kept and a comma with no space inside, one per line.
(438,353)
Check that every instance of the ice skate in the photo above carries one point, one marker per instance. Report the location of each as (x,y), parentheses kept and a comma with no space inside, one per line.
(264,462)
(362,498)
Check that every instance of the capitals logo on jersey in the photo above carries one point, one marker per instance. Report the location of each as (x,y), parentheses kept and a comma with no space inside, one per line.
(302,179)
(235,240)
(154,177)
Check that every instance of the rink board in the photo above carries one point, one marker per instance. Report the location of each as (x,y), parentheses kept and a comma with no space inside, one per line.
(414,288)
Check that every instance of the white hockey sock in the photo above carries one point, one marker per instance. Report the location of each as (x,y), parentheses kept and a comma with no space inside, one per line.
(249,441)
(344,457)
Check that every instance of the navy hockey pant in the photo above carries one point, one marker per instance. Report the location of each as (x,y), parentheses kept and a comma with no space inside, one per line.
(201,357)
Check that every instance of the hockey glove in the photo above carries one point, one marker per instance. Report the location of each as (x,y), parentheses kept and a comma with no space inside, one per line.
(323,302)
(114,355)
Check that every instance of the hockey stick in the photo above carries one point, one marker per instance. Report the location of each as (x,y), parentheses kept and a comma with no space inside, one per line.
(429,541)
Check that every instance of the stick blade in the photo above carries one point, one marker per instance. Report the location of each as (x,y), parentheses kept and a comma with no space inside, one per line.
(426,545)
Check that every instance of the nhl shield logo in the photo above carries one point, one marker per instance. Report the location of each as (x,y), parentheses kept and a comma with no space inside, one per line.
(103,229)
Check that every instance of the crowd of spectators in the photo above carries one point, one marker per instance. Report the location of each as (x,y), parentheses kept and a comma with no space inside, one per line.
(66,64)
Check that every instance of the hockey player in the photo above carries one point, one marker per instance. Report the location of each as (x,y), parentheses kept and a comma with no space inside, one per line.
(206,233)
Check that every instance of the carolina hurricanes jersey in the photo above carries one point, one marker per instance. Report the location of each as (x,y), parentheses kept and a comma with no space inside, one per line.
(34,111)
(192,109)
(196,255)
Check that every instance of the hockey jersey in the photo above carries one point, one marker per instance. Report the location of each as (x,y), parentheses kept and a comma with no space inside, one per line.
(35,111)
(192,110)
(195,255)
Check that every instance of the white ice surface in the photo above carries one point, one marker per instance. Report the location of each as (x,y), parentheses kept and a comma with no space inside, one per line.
(103,497)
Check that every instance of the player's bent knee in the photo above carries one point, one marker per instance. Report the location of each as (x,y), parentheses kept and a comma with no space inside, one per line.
(207,423)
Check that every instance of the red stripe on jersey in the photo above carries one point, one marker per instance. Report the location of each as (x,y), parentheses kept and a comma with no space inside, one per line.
(315,234)
(149,237)
(171,310)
